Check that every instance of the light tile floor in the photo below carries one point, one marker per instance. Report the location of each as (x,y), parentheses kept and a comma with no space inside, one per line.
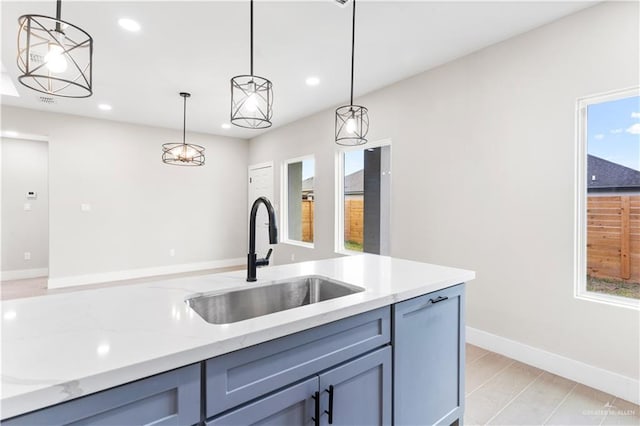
(502,391)
(499,390)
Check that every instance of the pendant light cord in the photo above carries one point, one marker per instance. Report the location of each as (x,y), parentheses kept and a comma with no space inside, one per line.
(251,48)
(58,15)
(184,122)
(353,44)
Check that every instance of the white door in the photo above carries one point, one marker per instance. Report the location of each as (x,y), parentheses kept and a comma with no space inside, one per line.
(261,185)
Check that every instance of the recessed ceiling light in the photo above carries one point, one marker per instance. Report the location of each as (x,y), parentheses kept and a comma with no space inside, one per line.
(10,133)
(103,349)
(129,24)
(105,107)
(226,126)
(312,81)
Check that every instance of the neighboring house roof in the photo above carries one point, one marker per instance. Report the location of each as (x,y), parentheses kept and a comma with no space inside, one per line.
(603,174)
(307,185)
(354,183)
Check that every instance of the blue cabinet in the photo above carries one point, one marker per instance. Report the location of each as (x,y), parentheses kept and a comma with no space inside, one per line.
(355,393)
(293,405)
(239,377)
(428,356)
(171,398)
(361,391)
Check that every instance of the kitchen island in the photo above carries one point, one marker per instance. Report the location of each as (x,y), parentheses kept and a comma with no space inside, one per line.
(72,352)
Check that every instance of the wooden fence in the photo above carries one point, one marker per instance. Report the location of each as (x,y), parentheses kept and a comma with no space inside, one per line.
(613,237)
(353,224)
(307,221)
(354,220)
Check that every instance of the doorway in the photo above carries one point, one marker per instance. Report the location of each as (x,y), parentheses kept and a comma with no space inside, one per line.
(261,185)
(25,212)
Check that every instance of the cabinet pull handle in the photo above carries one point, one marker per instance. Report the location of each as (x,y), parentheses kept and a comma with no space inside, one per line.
(437,299)
(316,419)
(330,412)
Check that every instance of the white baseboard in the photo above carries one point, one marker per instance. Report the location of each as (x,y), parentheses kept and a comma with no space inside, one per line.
(21,274)
(141,273)
(615,384)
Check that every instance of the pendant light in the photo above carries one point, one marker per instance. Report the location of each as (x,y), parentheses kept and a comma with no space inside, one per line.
(183,154)
(352,121)
(54,56)
(251,96)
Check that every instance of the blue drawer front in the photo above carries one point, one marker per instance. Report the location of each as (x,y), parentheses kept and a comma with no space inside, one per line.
(241,376)
(171,398)
(428,347)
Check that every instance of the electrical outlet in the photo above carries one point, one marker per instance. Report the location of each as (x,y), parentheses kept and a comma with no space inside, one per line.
(27,207)
(172,252)
(293,257)
(27,255)
(85,207)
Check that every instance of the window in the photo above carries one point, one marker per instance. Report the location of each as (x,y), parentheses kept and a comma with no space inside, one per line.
(608,266)
(298,201)
(363,199)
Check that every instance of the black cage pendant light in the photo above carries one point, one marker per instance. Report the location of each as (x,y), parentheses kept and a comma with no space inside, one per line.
(54,56)
(352,121)
(183,154)
(251,96)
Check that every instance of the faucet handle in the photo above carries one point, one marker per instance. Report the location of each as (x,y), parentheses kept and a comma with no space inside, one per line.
(265,261)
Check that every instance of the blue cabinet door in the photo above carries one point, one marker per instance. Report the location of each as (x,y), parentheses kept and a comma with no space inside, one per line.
(293,405)
(361,391)
(428,358)
(242,376)
(171,398)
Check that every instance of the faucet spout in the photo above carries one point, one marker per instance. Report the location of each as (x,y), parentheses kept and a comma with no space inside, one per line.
(252,261)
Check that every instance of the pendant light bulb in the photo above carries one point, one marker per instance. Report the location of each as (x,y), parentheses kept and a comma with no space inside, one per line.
(251,104)
(351,126)
(55,60)
(183,153)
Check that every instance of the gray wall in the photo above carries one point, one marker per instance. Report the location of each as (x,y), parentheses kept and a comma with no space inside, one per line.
(483,178)
(140,207)
(24,168)
(294,201)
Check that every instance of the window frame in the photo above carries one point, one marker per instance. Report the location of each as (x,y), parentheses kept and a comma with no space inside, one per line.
(340,150)
(580,205)
(284,195)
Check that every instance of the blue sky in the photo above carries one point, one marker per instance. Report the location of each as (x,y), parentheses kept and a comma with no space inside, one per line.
(353,161)
(307,168)
(613,131)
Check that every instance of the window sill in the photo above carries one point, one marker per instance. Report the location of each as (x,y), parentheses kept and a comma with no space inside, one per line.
(621,302)
(299,244)
(346,252)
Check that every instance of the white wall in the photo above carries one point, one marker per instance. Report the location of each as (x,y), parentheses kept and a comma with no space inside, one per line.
(140,207)
(483,178)
(24,169)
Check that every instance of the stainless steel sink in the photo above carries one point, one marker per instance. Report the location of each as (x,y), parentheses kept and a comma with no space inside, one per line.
(237,305)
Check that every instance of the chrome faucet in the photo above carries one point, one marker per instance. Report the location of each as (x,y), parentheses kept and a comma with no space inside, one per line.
(252,261)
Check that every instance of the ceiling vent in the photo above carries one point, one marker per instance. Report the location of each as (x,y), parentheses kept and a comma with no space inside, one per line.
(47,100)
(34,57)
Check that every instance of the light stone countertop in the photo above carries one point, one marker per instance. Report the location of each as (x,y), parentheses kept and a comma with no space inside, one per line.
(59,347)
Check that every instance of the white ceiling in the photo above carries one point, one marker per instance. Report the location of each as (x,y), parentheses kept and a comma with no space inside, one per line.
(199,46)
